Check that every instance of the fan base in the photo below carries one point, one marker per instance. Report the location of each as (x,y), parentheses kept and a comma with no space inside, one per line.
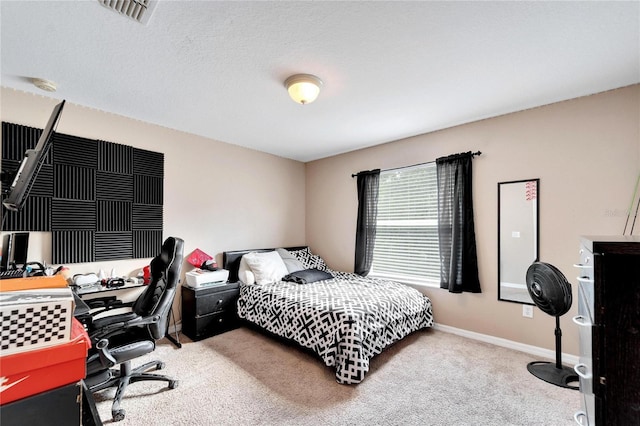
(548,372)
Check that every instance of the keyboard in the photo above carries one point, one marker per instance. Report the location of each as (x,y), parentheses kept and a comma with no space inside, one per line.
(11,273)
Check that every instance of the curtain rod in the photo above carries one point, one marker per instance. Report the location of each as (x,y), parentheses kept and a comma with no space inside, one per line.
(473,154)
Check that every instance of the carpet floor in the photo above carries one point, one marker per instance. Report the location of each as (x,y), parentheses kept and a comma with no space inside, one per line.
(433,378)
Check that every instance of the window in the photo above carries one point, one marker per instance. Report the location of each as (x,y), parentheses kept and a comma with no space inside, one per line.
(406,247)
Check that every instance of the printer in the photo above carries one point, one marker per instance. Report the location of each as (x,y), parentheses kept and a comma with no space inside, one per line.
(199,278)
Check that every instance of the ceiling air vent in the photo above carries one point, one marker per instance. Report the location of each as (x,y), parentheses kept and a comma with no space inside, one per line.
(138,10)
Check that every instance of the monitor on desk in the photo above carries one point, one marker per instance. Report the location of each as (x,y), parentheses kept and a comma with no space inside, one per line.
(15,248)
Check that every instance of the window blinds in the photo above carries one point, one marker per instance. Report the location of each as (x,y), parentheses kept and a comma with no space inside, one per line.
(406,245)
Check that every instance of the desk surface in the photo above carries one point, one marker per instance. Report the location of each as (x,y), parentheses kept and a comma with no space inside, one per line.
(99,288)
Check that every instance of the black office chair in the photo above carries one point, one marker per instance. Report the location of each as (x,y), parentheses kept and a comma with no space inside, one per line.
(120,338)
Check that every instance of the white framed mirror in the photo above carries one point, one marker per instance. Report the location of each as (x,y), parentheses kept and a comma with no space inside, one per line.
(518,240)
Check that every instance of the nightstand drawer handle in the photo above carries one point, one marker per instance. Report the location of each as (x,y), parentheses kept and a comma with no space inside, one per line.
(584,280)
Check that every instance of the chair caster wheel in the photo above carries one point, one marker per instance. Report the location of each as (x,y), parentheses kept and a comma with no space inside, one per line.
(160,366)
(118,415)
(173,384)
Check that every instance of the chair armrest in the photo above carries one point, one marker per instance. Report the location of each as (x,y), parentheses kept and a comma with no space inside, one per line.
(106,359)
(107,326)
(101,359)
(108,320)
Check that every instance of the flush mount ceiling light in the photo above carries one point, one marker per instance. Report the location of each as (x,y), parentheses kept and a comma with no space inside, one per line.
(43,84)
(303,88)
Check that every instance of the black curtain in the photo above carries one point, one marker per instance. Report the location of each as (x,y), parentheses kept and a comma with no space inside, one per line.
(368,182)
(456,231)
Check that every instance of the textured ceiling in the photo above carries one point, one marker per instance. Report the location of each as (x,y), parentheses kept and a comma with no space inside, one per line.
(390,69)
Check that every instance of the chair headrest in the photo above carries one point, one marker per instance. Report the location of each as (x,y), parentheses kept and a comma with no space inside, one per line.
(170,255)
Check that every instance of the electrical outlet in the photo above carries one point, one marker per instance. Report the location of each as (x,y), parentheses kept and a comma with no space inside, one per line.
(527,311)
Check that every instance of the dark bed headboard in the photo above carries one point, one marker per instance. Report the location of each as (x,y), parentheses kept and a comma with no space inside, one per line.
(231,259)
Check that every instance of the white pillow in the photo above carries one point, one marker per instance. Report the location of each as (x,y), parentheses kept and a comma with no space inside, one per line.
(267,267)
(290,261)
(244,272)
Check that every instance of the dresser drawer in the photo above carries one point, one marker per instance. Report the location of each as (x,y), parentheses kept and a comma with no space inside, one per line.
(584,320)
(587,415)
(216,302)
(210,325)
(586,283)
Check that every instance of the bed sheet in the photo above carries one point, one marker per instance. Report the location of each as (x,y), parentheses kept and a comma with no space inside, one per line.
(346,320)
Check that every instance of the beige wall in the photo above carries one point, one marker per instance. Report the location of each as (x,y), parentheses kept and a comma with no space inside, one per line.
(217,196)
(586,153)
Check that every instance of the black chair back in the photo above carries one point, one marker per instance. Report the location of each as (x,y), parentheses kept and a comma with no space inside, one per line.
(157,298)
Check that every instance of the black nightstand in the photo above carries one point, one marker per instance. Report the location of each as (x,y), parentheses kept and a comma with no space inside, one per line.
(210,310)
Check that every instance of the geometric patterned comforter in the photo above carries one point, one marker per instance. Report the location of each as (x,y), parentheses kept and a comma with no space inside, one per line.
(346,320)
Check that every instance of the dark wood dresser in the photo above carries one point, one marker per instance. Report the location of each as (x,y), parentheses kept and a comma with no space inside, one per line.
(609,321)
(209,311)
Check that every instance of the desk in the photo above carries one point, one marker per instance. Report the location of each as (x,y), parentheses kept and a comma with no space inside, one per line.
(127,293)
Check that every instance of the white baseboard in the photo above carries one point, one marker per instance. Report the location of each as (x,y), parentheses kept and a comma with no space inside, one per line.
(567,359)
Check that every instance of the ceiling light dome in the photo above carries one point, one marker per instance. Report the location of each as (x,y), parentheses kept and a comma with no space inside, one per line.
(43,84)
(303,88)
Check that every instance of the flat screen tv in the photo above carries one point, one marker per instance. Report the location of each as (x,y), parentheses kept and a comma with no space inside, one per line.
(31,164)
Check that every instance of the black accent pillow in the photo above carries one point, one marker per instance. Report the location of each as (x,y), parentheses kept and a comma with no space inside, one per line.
(307,276)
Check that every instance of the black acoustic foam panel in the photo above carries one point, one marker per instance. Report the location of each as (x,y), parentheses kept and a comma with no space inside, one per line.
(114,215)
(17,139)
(76,183)
(34,216)
(75,151)
(146,243)
(148,162)
(72,246)
(101,200)
(116,158)
(145,216)
(114,245)
(114,186)
(147,190)
(73,215)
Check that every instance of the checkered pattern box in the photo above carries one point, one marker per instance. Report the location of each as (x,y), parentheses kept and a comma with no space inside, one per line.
(34,319)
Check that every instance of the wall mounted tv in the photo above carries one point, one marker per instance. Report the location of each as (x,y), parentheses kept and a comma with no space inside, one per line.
(31,164)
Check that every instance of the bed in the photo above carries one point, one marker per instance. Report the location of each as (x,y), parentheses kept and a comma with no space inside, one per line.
(345,319)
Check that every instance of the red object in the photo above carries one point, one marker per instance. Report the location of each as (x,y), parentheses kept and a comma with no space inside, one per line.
(146,275)
(29,373)
(198,257)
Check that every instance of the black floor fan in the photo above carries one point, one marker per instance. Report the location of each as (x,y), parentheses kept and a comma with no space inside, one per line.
(551,292)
